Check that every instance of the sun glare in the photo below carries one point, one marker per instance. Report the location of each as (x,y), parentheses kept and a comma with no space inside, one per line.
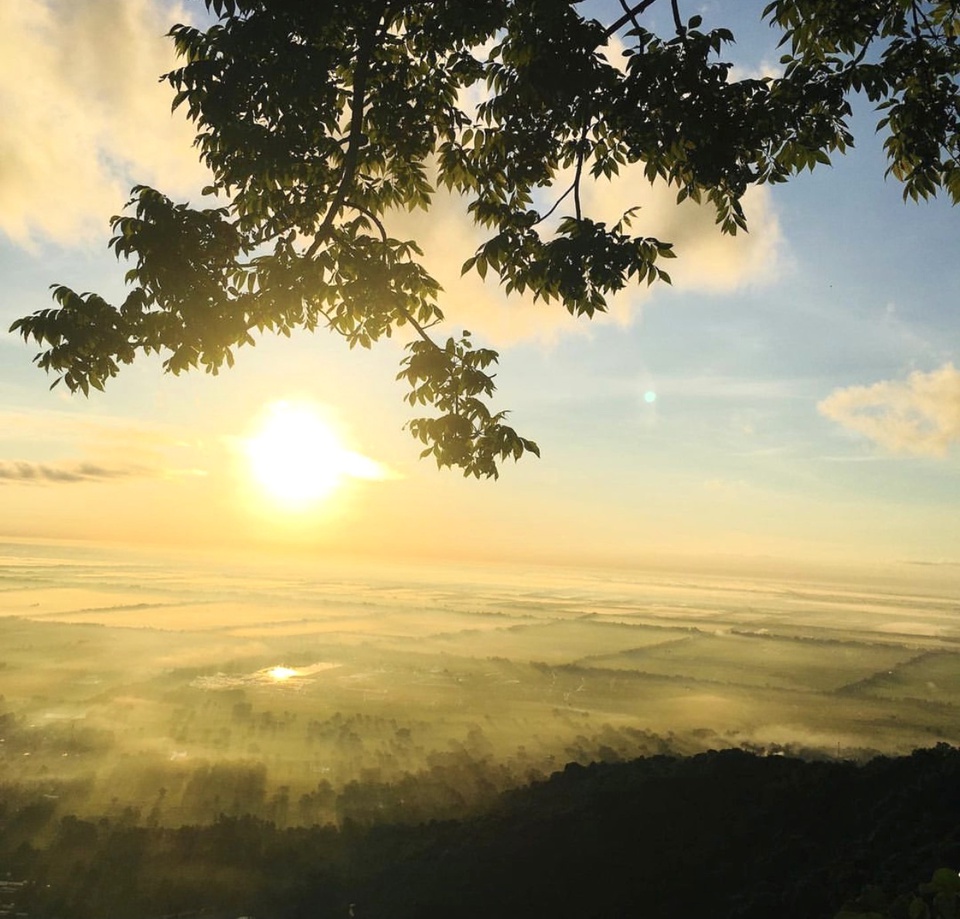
(297,458)
(281,673)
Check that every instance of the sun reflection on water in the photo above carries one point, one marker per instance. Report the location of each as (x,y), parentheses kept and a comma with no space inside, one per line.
(278,675)
(282,673)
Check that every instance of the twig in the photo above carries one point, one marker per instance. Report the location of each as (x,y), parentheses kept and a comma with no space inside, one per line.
(677,21)
(556,204)
(874,32)
(420,328)
(581,151)
(629,16)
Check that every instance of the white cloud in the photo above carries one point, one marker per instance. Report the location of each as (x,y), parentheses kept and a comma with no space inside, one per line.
(766,69)
(707,262)
(85,115)
(919,415)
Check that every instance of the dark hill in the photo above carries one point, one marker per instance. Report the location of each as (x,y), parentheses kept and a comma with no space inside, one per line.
(725,834)
(722,834)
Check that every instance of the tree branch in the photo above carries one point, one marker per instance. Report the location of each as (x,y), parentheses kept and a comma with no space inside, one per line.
(628,17)
(677,21)
(556,203)
(631,14)
(874,32)
(355,136)
(581,153)
(420,328)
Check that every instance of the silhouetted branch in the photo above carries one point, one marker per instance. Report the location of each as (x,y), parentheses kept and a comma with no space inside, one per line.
(378,223)
(629,16)
(677,21)
(355,137)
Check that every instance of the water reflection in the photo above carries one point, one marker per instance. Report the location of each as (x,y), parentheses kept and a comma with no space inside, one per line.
(282,673)
(277,674)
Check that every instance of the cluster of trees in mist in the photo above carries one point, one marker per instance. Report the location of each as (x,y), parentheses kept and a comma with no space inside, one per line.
(722,834)
(353,767)
(407,783)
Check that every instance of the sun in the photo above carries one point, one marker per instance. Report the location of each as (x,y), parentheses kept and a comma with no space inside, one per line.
(296,457)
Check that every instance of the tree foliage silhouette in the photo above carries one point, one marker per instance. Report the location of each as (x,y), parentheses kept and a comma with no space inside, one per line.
(320,121)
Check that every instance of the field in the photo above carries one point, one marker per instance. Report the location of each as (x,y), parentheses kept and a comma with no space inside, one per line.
(172,690)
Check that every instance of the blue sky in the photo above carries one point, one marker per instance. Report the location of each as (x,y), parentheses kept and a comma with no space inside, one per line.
(807,405)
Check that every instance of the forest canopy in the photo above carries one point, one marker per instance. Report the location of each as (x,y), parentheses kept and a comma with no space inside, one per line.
(321,122)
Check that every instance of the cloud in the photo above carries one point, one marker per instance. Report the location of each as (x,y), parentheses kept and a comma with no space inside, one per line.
(708,262)
(48,473)
(85,115)
(112,447)
(919,415)
(763,70)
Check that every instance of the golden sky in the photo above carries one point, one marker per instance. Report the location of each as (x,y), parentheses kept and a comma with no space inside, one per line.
(793,395)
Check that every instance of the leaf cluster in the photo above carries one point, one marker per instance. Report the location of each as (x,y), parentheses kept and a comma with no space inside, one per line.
(466,434)
(938,898)
(320,121)
(904,56)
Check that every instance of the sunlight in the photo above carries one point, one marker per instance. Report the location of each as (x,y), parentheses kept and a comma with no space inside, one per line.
(298,459)
(281,673)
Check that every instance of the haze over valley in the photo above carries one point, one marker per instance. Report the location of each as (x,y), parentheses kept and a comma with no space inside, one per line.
(172,691)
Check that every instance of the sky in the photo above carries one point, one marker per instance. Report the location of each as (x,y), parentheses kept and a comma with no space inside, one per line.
(795,394)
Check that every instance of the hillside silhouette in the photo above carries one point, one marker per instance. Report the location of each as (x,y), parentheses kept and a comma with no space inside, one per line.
(721,834)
